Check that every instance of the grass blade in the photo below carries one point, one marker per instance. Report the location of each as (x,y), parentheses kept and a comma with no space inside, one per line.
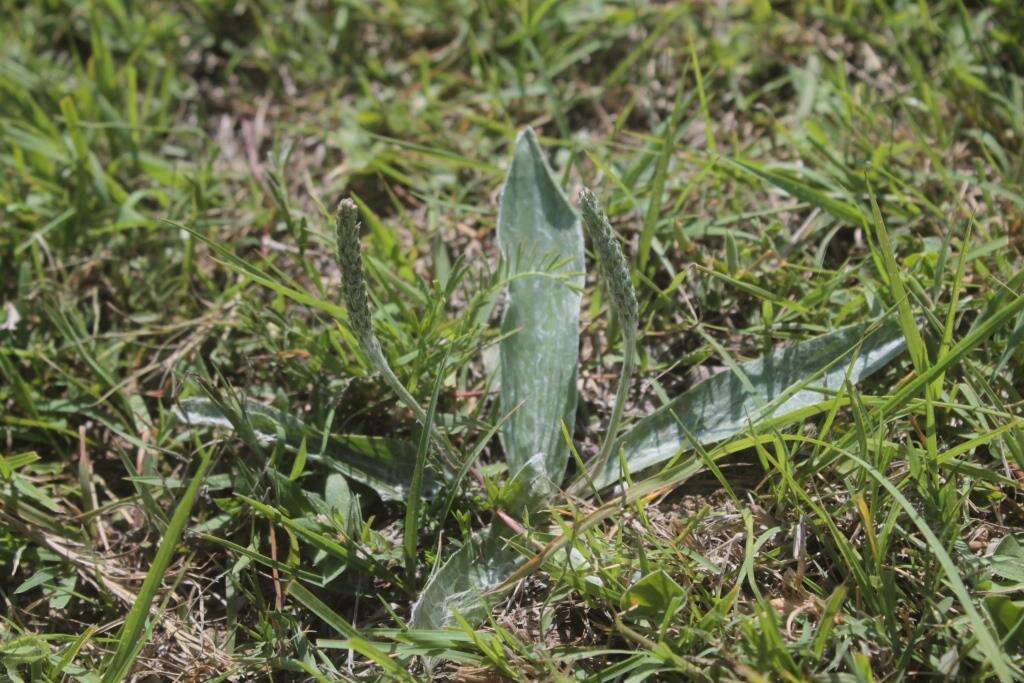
(986,640)
(841,210)
(412,506)
(130,640)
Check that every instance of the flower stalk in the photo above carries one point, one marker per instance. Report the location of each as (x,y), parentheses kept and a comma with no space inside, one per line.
(353,291)
(614,270)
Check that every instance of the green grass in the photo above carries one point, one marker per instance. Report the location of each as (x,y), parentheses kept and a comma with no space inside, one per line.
(776,173)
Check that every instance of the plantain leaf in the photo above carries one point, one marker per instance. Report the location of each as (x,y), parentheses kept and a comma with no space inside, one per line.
(538,231)
(384,465)
(784,386)
(457,587)
(1008,560)
(341,503)
(1008,617)
(541,245)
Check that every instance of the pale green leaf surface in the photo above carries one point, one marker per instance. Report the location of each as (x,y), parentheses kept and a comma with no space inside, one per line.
(539,357)
(384,465)
(458,586)
(1008,560)
(786,382)
(536,224)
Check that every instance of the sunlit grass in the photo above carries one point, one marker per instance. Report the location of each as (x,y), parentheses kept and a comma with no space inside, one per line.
(204,471)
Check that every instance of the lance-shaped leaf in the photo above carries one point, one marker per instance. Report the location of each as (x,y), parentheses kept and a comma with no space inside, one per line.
(382,464)
(542,245)
(458,586)
(783,386)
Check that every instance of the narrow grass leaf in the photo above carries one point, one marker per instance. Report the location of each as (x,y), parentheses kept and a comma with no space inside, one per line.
(804,192)
(319,608)
(224,256)
(986,640)
(668,143)
(129,640)
(412,506)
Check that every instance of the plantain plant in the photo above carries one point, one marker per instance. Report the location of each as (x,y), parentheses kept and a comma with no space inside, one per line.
(538,396)
(539,367)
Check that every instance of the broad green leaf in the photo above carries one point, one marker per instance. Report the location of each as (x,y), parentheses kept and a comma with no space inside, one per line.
(786,383)
(340,502)
(541,244)
(458,587)
(1008,560)
(384,465)
(1008,617)
(528,487)
(539,355)
(651,594)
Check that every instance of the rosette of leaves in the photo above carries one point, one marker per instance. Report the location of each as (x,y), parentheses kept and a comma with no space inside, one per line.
(539,359)
(542,252)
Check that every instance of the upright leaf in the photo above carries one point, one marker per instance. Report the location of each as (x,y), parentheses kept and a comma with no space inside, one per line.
(538,230)
(133,632)
(541,244)
(786,383)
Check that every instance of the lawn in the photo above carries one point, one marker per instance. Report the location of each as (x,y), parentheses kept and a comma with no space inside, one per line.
(471,340)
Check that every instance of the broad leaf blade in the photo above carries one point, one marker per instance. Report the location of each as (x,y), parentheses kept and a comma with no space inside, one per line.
(537,226)
(788,382)
(541,245)
(458,586)
(384,465)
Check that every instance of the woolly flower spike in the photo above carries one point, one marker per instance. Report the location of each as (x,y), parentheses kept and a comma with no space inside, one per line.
(353,282)
(610,259)
(615,272)
(353,291)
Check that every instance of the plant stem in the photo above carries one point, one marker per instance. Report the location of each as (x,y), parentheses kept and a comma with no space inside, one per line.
(628,362)
(447,448)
